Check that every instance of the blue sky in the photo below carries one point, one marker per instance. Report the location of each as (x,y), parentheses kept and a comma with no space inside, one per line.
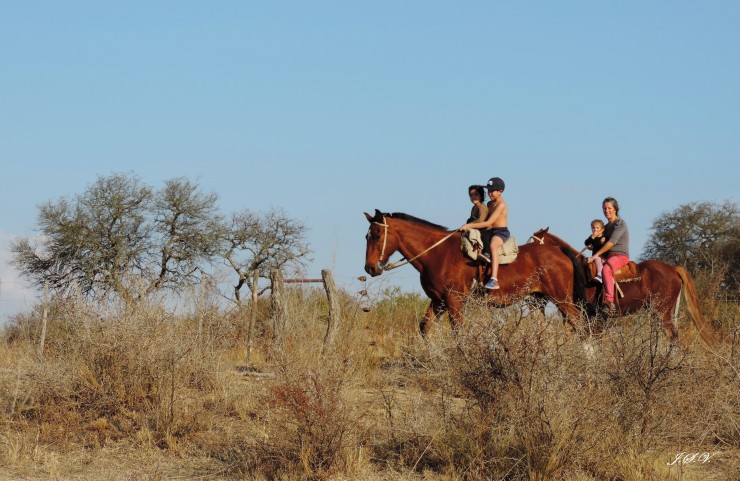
(329,109)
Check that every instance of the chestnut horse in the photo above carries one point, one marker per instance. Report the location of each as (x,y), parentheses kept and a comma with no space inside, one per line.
(447,276)
(659,285)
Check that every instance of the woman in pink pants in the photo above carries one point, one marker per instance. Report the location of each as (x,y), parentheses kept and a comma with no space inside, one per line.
(615,252)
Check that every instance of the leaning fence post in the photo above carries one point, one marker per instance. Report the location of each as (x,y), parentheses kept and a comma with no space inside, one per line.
(334,311)
(44,317)
(252,313)
(278,308)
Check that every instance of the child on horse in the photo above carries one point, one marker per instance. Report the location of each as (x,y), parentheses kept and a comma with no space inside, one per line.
(494,229)
(479,212)
(615,250)
(594,243)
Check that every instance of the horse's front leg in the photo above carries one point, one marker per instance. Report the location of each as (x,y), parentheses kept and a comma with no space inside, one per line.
(571,315)
(434,311)
(455,309)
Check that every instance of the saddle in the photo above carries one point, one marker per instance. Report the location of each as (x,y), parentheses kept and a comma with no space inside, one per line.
(471,246)
(628,273)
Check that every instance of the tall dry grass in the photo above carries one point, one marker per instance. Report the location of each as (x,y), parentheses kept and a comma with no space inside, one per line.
(108,373)
(512,395)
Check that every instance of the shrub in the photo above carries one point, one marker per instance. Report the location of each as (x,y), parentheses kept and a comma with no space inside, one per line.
(107,374)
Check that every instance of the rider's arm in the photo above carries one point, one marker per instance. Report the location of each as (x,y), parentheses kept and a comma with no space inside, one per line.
(615,237)
(490,220)
(603,249)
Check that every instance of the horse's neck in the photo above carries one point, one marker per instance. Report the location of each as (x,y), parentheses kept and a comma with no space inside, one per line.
(560,242)
(414,240)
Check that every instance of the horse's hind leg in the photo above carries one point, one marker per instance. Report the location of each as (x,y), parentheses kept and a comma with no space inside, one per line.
(435,309)
(669,325)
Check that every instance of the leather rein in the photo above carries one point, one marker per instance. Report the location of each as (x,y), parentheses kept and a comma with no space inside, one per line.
(388,267)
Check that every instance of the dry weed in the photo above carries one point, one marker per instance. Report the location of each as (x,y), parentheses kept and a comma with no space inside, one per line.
(511,395)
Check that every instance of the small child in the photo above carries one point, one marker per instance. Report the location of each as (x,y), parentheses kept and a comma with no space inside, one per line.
(479,212)
(594,242)
(494,230)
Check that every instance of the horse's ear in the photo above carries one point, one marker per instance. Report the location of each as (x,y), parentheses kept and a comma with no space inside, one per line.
(544,231)
(378,216)
(369,217)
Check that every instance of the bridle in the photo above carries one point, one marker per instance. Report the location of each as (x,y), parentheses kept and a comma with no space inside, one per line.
(388,267)
(385,241)
(541,240)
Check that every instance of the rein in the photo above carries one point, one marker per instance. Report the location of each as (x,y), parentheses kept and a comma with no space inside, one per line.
(393,265)
(541,240)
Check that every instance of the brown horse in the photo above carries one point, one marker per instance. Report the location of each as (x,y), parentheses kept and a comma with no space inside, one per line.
(658,285)
(447,276)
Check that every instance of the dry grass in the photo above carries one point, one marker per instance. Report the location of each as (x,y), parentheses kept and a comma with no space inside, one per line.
(140,393)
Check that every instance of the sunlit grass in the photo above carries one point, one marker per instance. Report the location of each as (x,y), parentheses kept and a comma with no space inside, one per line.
(511,395)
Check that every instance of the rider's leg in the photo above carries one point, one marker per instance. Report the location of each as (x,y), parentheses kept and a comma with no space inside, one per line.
(496,243)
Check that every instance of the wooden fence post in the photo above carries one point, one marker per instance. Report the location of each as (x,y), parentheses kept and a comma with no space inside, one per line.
(252,313)
(44,316)
(334,309)
(278,308)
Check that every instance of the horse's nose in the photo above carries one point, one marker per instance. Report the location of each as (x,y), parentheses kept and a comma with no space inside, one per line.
(371,269)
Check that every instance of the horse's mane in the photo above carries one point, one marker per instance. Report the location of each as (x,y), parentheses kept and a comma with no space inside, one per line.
(415,220)
(560,239)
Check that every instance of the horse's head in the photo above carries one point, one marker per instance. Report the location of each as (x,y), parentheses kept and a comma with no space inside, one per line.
(380,244)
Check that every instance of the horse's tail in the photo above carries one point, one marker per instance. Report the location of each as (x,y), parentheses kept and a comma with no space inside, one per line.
(579,277)
(692,305)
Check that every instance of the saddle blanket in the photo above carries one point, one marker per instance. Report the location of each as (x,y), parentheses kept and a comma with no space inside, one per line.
(471,245)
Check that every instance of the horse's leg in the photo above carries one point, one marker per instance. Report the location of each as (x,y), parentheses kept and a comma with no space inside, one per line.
(436,308)
(455,309)
(581,318)
(571,314)
(535,302)
(669,325)
(661,309)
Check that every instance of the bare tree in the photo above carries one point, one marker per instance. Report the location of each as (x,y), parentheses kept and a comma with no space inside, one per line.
(700,236)
(264,242)
(187,229)
(121,238)
(92,241)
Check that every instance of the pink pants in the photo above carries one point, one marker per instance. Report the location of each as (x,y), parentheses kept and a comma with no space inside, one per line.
(599,265)
(612,265)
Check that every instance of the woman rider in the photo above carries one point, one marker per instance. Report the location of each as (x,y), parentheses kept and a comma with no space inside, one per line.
(615,252)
